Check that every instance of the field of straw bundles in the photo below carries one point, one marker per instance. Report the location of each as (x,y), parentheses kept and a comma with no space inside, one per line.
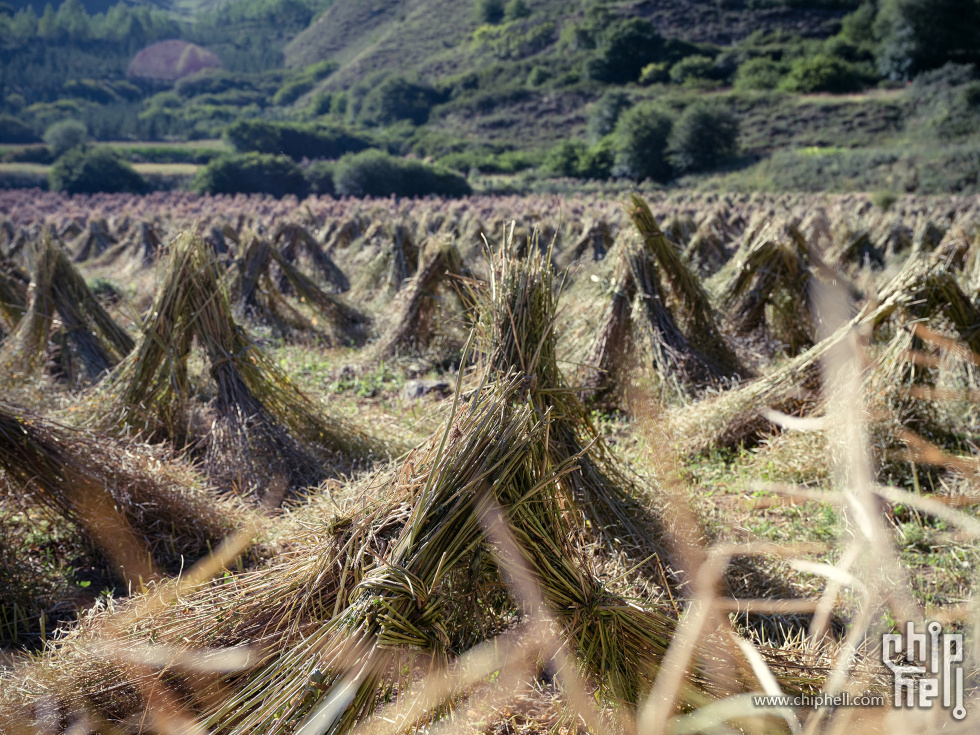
(496,465)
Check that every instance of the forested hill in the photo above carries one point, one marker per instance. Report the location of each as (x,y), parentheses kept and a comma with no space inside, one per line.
(501,86)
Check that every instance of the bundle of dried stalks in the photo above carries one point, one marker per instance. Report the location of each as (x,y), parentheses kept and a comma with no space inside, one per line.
(516,328)
(596,240)
(14,284)
(265,429)
(706,250)
(638,332)
(64,313)
(130,501)
(689,300)
(94,242)
(769,286)
(415,309)
(294,241)
(469,531)
(738,415)
(397,262)
(257,293)
(142,247)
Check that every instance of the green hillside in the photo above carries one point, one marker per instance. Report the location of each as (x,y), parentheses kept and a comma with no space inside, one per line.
(841,93)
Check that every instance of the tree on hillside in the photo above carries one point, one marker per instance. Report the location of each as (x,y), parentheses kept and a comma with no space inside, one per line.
(490,11)
(641,135)
(64,135)
(626,47)
(916,35)
(396,99)
(605,113)
(703,138)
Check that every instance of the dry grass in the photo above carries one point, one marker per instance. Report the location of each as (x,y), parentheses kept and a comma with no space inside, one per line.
(531,565)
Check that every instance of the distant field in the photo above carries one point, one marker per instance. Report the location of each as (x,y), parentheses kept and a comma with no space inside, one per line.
(130,144)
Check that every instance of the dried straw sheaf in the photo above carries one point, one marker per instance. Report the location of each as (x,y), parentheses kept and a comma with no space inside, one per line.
(14,284)
(639,332)
(296,243)
(471,531)
(769,286)
(415,309)
(738,415)
(94,242)
(262,280)
(141,248)
(397,261)
(130,502)
(264,430)
(64,322)
(518,316)
(689,302)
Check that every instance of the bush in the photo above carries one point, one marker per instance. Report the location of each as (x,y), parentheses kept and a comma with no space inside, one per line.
(565,159)
(606,112)
(627,47)
(655,73)
(211,81)
(538,76)
(64,135)
(250,173)
(13,130)
(397,99)
(374,173)
(319,177)
(641,144)
(916,35)
(295,141)
(574,159)
(824,74)
(694,71)
(516,9)
(703,138)
(490,11)
(761,73)
(86,171)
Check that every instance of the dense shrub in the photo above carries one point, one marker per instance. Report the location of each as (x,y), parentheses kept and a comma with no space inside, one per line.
(824,74)
(86,171)
(319,177)
(575,159)
(917,35)
(626,47)
(641,138)
(397,99)
(761,73)
(565,158)
(694,71)
(489,11)
(703,138)
(250,173)
(64,135)
(28,154)
(13,130)
(295,141)
(211,81)
(605,113)
(655,73)
(374,173)
(516,9)
(538,76)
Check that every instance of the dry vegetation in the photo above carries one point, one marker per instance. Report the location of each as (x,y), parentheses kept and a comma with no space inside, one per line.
(495,465)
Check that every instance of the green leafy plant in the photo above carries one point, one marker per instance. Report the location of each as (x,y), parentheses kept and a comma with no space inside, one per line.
(85,171)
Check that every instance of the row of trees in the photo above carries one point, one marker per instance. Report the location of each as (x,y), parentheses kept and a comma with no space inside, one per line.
(647,142)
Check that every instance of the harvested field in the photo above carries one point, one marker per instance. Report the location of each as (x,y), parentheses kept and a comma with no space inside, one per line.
(497,465)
